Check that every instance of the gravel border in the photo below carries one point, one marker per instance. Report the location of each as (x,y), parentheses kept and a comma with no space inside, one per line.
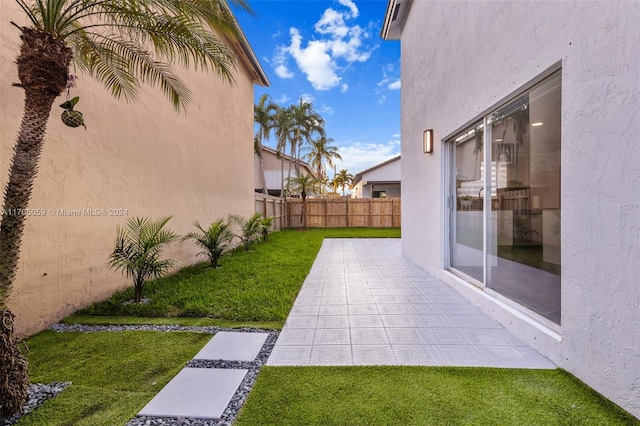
(231,412)
(37,395)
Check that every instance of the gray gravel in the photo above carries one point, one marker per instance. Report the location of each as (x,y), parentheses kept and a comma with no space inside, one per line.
(230,414)
(38,394)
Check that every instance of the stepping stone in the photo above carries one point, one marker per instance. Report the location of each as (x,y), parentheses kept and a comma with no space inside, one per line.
(196,392)
(233,346)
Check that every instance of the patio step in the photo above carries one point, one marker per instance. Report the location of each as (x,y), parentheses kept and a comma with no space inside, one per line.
(205,393)
(196,393)
(233,346)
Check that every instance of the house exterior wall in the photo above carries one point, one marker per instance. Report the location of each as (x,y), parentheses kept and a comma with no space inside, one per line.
(459,59)
(387,173)
(273,170)
(141,158)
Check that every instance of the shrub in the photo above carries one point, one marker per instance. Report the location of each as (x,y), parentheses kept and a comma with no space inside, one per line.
(265,226)
(249,229)
(213,241)
(138,248)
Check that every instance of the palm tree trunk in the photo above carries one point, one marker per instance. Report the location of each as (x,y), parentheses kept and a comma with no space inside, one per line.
(43,66)
(264,178)
(24,167)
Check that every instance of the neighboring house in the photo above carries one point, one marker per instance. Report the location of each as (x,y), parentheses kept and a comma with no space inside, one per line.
(135,159)
(380,181)
(274,171)
(547,239)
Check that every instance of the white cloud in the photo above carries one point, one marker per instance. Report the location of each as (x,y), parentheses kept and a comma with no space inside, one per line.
(344,87)
(361,156)
(314,61)
(351,5)
(283,72)
(308,97)
(282,100)
(326,109)
(395,85)
(337,44)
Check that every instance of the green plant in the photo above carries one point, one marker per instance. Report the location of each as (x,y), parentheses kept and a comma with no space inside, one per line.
(138,248)
(213,241)
(249,229)
(266,224)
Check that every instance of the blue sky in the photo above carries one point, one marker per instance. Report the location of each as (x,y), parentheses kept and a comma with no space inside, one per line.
(331,53)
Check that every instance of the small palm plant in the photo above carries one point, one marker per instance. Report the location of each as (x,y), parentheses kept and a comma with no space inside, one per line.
(266,224)
(250,229)
(213,241)
(138,248)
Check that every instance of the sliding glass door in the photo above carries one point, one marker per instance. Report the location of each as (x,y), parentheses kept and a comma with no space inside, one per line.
(505,220)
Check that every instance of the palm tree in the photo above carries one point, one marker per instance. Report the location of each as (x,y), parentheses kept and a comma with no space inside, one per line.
(321,153)
(122,44)
(263,115)
(305,122)
(213,241)
(138,248)
(344,179)
(303,184)
(283,127)
(249,229)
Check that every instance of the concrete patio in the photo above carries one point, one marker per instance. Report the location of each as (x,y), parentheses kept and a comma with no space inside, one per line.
(363,303)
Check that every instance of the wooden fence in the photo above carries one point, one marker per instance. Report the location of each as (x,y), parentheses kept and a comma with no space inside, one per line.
(344,213)
(272,206)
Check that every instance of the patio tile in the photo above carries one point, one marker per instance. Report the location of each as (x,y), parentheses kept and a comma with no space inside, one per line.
(492,337)
(202,393)
(332,336)
(301,321)
(302,336)
(365,321)
(417,355)
(406,336)
(373,355)
(303,301)
(433,321)
(333,321)
(363,310)
(233,346)
(399,321)
(396,308)
(445,336)
(461,356)
(331,355)
(290,355)
(375,307)
(368,336)
(333,310)
(359,299)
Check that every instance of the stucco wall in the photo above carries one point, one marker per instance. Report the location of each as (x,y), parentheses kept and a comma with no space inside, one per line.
(458,59)
(140,156)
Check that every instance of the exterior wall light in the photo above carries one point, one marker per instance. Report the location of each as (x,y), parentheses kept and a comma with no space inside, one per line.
(427,141)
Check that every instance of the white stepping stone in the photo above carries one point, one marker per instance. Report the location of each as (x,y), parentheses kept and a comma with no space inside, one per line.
(233,346)
(202,393)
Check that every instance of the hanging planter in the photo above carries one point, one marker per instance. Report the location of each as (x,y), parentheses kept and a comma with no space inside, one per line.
(70,117)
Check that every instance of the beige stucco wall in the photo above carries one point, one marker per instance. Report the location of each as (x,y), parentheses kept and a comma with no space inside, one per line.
(142,157)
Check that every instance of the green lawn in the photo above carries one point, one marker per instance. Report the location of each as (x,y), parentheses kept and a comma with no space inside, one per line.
(424,396)
(258,286)
(113,375)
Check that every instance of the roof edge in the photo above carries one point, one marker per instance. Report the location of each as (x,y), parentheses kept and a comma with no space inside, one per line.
(394,18)
(358,177)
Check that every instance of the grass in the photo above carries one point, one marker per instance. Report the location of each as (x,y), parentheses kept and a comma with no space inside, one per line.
(113,375)
(258,286)
(424,396)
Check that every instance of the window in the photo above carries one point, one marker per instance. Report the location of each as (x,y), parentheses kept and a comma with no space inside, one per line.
(505,221)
